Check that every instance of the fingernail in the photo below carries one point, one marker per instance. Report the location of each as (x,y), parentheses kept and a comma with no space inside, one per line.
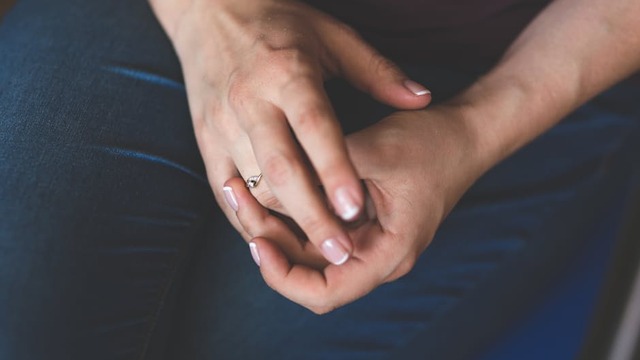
(416,88)
(230,197)
(254,252)
(346,204)
(334,252)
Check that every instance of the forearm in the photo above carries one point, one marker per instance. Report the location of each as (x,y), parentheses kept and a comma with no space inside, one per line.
(571,52)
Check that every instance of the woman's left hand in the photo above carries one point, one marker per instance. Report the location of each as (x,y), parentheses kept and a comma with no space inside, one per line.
(416,165)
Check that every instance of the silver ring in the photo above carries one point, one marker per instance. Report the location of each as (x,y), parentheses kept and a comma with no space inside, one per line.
(253,181)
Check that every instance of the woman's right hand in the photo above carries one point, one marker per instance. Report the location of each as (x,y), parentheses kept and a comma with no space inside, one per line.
(254,72)
(412,184)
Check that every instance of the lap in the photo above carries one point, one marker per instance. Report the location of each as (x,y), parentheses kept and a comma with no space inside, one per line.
(501,247)
(103,190)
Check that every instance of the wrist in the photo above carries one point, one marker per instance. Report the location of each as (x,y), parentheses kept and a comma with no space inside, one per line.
(503,111)
(483,108)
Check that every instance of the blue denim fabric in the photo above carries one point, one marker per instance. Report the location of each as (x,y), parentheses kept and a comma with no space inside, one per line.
(112,247)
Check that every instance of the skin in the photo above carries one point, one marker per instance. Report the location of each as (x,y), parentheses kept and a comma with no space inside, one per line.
(571,52)
(406,217)
(254,72)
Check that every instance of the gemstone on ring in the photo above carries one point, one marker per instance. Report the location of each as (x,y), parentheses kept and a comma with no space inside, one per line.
(253,181)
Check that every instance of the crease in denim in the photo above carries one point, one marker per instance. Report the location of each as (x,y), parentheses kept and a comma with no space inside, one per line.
(136,154)
(144,75)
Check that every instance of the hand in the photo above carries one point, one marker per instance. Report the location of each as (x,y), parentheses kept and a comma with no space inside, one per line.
(254,72)
(416,165)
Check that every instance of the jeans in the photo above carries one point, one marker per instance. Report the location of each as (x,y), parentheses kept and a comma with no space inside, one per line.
(112,246)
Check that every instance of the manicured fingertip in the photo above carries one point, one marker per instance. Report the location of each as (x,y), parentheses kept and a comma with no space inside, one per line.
(334,251)
(403,94)
(230,197)
(346,204)
(416,88)
(255,254)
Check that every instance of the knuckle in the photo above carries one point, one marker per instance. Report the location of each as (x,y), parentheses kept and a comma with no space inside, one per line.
(286,68)
(238,94)
(279,168)
(405,266)
(267,200)
(289,63)
(381,65)
(321,310)
(321,304)
(310,120)
(252,226)
(345,29)
(248,227)
(314,226)
(260,225)
(293,71)
(271,283)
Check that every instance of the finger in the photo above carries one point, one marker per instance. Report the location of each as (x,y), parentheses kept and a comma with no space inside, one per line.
(311,117)
(245,160)
(258,221)
(290,182)
(227,205)
(288,178)
(219,168)
(378,257)
(373,73)
(319,291)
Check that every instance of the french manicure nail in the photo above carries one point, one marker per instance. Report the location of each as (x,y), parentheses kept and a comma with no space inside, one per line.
(254,252)
(230,197)
(334,252)
(346,204)
(416,88)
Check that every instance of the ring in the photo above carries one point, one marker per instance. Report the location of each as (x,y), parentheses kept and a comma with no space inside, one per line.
(253,181)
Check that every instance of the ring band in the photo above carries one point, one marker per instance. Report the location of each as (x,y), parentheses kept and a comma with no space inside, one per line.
(253,181)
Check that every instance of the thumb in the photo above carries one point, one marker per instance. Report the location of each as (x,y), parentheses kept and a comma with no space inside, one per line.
(296,282)
(366,69)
